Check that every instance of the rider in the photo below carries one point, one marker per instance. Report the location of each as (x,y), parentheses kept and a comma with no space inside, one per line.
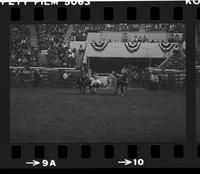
(126,79)
(122,80)
(154,80)
(123,70)
(82,81)
(112,80)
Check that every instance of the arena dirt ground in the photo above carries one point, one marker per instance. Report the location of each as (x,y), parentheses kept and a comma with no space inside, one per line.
(59,115)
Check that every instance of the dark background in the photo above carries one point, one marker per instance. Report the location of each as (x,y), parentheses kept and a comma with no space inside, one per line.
(74,159)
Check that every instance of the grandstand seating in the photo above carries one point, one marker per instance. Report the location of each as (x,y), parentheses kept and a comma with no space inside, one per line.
(55,39)
(145,37)
(21,51)
(33,36)
(27,41)
(174,60)
(68,34)
(43,57)
(79,60)
(81,30)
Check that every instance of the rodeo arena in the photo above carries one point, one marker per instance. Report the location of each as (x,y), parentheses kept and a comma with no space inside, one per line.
(97,83)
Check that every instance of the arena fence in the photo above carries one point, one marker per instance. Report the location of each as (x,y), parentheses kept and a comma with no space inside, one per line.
(53,77)
(175,78)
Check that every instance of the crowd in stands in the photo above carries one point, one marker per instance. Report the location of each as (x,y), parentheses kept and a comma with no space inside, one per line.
(51,34)
(174,28)
(81,30)
(21,52)
(52,38)
(61,57)
(174,38)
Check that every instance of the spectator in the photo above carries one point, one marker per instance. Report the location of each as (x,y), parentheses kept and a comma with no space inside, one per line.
(21,52)
(81,50)
(152,41)
(135,39)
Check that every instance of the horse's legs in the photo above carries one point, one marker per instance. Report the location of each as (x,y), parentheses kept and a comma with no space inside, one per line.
(90,87)
(122,89)
(80,89)
(84,88)
(94,90)
(117,87)
(126,87)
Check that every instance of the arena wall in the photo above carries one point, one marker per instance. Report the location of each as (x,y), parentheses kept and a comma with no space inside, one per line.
(107,65)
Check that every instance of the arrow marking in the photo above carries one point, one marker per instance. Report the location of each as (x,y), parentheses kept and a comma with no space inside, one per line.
(125,162)
(33,163)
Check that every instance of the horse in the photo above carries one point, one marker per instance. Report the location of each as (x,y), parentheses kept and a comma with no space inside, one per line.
(83,81)
(95,84)
(122,82)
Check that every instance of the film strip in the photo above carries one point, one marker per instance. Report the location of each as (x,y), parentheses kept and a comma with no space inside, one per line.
(148,149)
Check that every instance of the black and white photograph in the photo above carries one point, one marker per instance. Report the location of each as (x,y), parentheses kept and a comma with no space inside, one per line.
(97,83)
(197,63)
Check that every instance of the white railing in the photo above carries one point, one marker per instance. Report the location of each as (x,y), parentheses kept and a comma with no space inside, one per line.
(167,56)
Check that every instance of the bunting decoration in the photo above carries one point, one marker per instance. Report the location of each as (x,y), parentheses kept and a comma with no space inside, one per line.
(166,47)
(132,47)
(99,46)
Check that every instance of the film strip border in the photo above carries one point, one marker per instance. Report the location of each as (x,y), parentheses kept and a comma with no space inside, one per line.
(86,152)
(107,12)
(107,155)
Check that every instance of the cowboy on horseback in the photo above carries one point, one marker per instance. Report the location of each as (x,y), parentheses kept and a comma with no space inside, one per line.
(83,81)
(122,81)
